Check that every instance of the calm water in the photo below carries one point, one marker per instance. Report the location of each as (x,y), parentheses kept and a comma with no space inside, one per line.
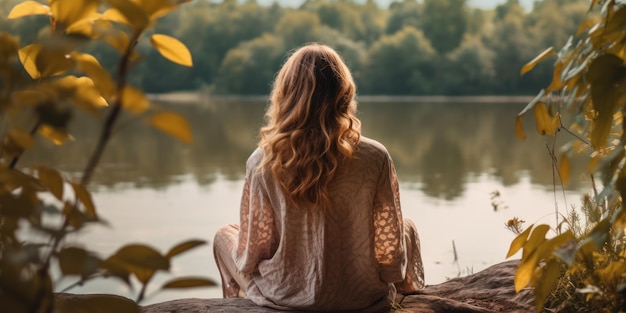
(450,158)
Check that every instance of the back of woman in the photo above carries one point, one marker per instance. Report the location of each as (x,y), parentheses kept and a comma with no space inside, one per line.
(321,226)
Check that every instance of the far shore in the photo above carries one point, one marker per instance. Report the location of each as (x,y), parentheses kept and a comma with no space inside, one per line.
(198,97)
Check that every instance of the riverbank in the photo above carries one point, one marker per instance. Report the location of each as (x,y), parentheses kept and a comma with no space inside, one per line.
(199,97)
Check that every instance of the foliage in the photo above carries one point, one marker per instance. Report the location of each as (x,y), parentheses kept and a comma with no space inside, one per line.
(42,83)
(505,37)
(583,266)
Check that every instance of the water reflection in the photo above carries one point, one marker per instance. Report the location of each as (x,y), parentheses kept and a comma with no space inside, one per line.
(439,147)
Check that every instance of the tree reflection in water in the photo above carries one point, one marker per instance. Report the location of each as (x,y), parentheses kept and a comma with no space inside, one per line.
(438,146)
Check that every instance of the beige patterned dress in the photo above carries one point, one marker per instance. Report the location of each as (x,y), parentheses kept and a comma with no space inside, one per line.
(348,257)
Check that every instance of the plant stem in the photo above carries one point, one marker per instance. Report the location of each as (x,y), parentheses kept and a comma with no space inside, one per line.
(115,111)
(17,157)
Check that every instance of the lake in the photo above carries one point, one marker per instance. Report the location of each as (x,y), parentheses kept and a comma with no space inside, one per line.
(451,158)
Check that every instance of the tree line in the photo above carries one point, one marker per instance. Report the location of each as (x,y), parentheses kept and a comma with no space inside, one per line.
(429,47)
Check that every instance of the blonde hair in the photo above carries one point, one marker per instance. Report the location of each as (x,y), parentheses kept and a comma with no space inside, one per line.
(311,124)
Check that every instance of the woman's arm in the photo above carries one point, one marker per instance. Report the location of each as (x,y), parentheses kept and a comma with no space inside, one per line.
(388,226)
(256,222)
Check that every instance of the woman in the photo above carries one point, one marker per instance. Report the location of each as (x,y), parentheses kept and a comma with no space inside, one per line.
(321,227)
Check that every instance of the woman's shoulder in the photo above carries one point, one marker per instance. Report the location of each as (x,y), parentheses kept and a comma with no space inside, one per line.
(255,158)
(371,146)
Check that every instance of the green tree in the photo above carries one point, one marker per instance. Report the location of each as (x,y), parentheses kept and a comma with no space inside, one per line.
(469,68)
(401,14)
(444,23)
(298,27)
(249,69)
(513,46)
(400,64)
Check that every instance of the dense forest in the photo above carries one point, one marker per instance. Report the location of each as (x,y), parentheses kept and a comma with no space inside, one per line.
(428,47)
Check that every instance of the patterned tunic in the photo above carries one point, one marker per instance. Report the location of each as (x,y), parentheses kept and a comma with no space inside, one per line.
(346,257)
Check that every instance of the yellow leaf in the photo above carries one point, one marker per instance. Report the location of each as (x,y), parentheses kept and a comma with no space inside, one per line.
(87,97)
(9,46)
(172,49)
(556,83)
(593,162)
(543,55)
(15,142)
(29,8)
(70,12)
(21,138)
(525,271)
(52,180)
(134,100)
(519,128)
(140,260)
(183,247)
(543,120)
(172,124)
(519,242)
(58,137)
(84,26)
(564,168)
(537,238)
(28,55)
(101,78)
(115,15)
(547,278)
(84,196)
(53,60)
(588,23)
(128,13)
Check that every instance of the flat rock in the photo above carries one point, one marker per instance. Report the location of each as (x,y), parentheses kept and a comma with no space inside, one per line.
(487,291)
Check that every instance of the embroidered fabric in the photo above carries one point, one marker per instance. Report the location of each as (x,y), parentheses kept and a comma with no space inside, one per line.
(342,258)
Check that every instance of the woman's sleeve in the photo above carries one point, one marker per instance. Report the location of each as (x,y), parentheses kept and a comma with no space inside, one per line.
(256,224)
(388,226)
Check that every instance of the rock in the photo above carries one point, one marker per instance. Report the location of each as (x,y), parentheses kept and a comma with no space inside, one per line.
(487,291)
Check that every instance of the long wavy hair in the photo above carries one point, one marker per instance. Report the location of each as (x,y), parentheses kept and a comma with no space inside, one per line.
(312,128)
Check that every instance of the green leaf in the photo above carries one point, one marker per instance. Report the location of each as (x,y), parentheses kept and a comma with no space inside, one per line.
(77,261)
(27,8)
(172,49)
(183,247)
(51,179)
(95,303)
(519,242)
(188,282)
(542,56)
(172,124)
(84,196)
